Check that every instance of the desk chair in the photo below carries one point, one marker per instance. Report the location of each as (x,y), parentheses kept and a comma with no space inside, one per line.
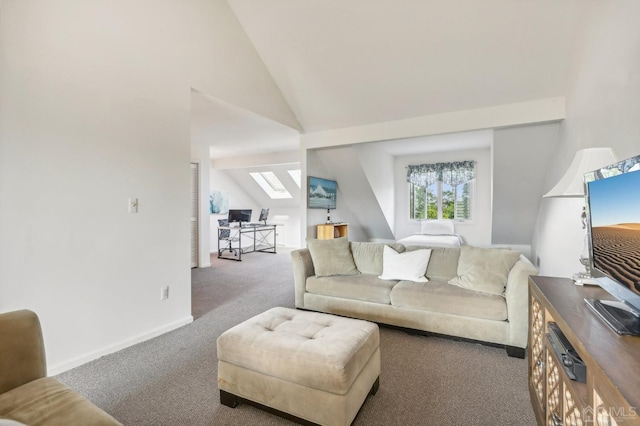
(225,235)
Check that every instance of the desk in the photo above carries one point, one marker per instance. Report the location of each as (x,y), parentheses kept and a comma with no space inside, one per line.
(259,238)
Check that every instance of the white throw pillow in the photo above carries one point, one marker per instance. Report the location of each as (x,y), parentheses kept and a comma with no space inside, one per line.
(409,266)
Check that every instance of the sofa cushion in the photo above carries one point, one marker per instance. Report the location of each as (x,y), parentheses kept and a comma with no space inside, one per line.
(331,257)
(439,296)
(359,287)
(484,269)
(47,401)
(409,266)
(368,256)
(443,264)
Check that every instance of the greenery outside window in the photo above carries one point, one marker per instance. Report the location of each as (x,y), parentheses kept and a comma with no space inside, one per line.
(441,190)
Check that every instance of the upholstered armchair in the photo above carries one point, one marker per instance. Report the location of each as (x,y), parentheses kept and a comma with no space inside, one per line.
(27,395)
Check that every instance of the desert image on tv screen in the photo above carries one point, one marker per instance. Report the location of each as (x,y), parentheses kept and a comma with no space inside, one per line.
(614,205)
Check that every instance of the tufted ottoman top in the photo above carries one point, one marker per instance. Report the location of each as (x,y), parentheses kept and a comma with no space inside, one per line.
(321,351)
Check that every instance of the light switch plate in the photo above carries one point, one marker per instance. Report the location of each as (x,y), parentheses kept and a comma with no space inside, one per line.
(133,205)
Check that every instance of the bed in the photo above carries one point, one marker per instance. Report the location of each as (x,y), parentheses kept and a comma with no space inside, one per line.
(434,233)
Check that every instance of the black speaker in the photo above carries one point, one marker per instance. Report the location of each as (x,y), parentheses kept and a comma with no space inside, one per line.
(571,361)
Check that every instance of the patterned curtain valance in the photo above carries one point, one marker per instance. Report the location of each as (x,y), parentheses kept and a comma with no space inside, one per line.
(453,173)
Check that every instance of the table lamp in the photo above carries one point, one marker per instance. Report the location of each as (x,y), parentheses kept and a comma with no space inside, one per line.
(572,186)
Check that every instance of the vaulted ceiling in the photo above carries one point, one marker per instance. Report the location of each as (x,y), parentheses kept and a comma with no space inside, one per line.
(343,63)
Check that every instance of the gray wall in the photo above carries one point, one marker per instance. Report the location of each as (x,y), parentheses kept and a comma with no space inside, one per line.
(520,159)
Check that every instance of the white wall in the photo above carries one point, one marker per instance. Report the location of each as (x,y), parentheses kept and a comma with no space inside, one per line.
(477,231)
(94,109)
(602,110)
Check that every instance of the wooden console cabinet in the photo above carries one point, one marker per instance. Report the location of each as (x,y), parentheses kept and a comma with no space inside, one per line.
(611,394)
(327,231)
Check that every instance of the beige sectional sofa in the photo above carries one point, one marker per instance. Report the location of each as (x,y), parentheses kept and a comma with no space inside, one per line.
(471,293)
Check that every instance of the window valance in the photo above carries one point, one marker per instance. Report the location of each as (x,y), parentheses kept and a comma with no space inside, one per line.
(453,173)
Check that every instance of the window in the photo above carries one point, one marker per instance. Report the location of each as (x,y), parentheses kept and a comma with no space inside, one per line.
(296,176)
(270,183)
(441,190)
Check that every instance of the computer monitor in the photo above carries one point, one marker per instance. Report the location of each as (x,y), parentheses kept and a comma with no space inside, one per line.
(240,215)
(264,214)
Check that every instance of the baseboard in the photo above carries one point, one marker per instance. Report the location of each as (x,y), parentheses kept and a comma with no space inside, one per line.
(76,362)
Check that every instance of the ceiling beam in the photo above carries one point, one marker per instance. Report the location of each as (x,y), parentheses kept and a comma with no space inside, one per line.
(521,113)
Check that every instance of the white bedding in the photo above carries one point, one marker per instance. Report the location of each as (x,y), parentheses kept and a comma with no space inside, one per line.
(431,240)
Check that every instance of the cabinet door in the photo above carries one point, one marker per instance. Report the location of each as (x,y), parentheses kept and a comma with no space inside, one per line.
(554,392)
(565,398)
(608,410)
(537,354)
(572,408)
(601,414)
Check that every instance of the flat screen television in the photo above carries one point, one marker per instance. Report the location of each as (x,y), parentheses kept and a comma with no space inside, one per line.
(240,215)
(322,193)
(613,219)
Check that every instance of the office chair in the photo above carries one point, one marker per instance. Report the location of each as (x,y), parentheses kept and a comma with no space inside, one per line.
(225,235)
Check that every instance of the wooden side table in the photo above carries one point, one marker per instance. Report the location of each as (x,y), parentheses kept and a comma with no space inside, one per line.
(328,231)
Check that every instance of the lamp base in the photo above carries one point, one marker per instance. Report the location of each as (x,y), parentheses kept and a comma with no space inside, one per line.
(583,278)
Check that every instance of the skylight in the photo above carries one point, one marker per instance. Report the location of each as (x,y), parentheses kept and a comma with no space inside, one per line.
(270,184)
(295,175)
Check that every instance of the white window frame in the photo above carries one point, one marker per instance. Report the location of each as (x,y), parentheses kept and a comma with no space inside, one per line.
(472,186)
(265,179)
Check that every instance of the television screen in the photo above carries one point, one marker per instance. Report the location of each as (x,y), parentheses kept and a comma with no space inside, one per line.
(243,215)
(614,208)
(322,193)
(613,203)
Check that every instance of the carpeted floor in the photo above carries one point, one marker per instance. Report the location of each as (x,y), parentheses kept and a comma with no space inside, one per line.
(171,380)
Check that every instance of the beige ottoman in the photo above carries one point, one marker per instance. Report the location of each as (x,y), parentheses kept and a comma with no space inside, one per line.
(315,367)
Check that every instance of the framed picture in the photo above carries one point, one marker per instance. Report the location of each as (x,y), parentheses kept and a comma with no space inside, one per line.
(218,202)
(322,193)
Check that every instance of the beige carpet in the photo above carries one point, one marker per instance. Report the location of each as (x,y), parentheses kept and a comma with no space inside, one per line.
(171,380)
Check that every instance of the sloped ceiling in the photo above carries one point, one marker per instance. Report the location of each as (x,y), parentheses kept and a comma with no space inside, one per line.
(230,131)
(342,63)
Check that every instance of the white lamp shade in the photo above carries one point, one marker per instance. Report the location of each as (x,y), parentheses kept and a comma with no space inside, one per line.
(586,160)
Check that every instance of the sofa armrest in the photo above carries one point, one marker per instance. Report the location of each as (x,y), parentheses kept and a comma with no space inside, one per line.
(517,296)
(22,357)
(302,268)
